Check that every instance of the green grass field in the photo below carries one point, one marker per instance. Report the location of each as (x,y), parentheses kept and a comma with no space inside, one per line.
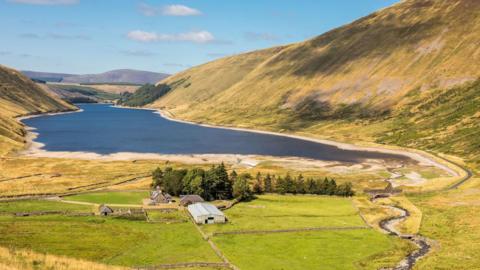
(120,197)
(41,205)
(167,217)
(107,240)
(274,212)
(352,249)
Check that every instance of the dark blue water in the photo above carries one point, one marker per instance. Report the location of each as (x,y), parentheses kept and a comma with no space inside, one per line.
(103,129)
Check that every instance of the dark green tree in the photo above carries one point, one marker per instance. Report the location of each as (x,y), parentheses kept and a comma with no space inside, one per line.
(311,186)
(191,184)
(257,185)
(267,183)
(173,181)
(300,185)
(241,187)
(157,178)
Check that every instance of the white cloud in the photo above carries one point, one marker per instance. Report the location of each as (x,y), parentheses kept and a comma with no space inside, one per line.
(170,10)
(55,36)
(180,10)
(137,53)
(196,37)
(45,2)
(253,36)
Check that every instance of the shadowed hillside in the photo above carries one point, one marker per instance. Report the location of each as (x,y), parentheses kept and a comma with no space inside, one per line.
(20,96)
(364,73)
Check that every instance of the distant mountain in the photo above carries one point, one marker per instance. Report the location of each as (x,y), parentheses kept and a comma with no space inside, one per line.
(128,76)
(46,76)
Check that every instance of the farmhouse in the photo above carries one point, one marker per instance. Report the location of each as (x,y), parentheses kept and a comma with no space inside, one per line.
(190,199)
(205,213)
(157,197)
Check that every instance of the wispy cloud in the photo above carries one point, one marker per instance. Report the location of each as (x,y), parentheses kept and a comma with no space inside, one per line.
(4,53)
(45,2)
(254,36)
(195,37)
(217,55)
(54,36)
(170,10)
(30,35)
(67,37)
(137,53)
(177,65)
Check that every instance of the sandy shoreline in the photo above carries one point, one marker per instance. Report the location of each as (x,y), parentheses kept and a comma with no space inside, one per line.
(35,149)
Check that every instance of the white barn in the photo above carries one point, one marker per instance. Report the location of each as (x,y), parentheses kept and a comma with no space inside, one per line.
(205,213)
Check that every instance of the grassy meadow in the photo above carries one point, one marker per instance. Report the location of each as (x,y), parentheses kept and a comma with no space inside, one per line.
(451,219)
(351,249)
(110,240)
(277,212)
(11,207)
(109,197)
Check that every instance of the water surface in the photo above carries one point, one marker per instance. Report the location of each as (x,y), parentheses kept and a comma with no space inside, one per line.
(104,129)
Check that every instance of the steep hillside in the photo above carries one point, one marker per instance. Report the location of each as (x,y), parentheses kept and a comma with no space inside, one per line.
(20,96)
(365,73)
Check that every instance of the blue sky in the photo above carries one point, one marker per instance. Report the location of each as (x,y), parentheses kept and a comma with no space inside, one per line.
(90,36)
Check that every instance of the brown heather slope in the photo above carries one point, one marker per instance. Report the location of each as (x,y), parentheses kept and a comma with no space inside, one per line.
(357,79)
(20,96)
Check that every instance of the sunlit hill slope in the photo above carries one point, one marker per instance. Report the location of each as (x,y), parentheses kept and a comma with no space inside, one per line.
(359,78)
(20,96)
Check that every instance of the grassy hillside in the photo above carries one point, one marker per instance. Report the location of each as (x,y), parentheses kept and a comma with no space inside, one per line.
(362,74)
(79,93)
(20,96)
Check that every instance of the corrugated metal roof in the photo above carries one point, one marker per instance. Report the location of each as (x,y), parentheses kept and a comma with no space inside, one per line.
(200,209)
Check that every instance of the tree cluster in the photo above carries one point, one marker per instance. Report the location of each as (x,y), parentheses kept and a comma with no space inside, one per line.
(212,184)
(146,94)
(300,185)
(216,184)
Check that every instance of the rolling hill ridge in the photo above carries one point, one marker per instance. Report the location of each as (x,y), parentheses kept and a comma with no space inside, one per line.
(129,76)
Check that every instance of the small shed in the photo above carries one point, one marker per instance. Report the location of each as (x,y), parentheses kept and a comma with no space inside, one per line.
(190,199)
(105,210)
(206,213)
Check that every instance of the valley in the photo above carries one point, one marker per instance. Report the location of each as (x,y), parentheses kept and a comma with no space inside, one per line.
(354,149)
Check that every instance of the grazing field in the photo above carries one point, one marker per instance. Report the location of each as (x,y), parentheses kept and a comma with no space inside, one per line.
(352,249)
(276,212)
(119,197)
(113,241)
(41,205)
(452,220)
(167,216)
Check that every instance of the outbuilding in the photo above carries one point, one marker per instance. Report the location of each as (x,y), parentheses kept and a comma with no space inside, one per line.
(105,210)
(186,200)
(206,213)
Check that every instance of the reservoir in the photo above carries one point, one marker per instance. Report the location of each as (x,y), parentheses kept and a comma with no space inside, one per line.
(103,129)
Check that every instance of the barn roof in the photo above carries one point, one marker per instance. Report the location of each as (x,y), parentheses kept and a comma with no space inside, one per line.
(201,209)
(105,209)
(190,199)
